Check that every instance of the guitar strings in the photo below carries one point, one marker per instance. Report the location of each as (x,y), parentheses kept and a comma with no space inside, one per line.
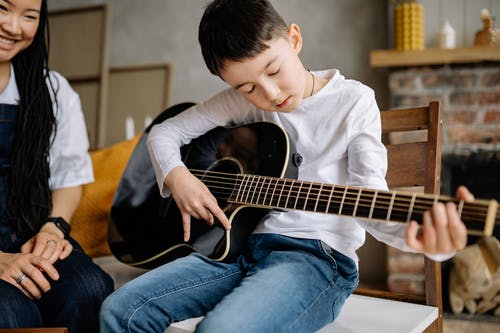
(349,210)
(317,191)
(215,179)
(382,194)
(385,196)
(283,188)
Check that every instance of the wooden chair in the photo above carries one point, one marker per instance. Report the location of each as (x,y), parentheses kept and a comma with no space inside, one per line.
(415,162)
(410,164)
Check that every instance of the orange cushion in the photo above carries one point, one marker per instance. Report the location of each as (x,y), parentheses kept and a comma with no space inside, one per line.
(90,221)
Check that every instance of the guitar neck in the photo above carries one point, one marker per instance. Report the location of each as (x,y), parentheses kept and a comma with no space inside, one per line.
(375,205)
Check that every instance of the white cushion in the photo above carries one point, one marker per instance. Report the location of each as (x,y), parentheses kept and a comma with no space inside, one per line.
(120,273)
(362,314)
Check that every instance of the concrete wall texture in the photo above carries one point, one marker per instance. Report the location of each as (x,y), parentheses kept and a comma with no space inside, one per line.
(337,34)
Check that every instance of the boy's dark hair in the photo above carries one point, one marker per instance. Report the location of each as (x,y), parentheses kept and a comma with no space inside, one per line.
(237,29)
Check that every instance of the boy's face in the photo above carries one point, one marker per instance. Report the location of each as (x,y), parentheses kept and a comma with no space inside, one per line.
(274,80)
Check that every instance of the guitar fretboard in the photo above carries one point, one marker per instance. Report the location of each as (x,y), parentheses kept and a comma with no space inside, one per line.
(375,205)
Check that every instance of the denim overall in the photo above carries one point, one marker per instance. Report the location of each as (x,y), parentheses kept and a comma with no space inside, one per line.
(74,300)
(8,238)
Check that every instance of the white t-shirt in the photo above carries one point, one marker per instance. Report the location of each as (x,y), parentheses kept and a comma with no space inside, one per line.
(69,160)
(338,133)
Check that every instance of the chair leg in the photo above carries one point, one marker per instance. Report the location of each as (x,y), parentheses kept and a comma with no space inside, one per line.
(435,327)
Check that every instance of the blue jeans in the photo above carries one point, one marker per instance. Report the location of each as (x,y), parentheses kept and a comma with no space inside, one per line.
(283,284)
(73,301)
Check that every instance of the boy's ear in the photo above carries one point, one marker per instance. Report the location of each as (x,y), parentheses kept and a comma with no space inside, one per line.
(295,38)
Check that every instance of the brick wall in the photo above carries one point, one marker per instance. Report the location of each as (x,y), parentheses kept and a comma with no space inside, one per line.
(470,101)
(405,272)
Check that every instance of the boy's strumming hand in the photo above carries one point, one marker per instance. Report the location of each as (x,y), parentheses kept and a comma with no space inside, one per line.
(193,199)
(442,231)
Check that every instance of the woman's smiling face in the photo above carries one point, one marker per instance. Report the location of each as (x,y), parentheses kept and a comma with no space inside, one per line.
(19,21)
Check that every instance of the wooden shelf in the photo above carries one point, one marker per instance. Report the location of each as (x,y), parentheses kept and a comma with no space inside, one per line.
(394,58)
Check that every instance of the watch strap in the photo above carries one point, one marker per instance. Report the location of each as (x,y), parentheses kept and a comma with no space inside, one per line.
(61,224)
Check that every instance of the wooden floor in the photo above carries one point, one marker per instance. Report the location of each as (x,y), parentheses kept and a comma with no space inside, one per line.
(465,326)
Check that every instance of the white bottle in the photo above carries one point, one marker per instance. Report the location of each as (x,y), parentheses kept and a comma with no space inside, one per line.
(447,38)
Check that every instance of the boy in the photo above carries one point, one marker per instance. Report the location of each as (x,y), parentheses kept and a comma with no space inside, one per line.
(300,267)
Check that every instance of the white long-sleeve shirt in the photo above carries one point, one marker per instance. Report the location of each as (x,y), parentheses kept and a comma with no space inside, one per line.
(338,133)
(69,160)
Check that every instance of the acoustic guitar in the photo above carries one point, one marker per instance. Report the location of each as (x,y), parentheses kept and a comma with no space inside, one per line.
(251,170)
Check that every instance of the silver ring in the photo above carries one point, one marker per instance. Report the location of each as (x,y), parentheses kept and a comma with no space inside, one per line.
(20,278)
(52,241)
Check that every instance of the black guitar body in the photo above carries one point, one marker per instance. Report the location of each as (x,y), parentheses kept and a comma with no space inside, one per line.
(145,230)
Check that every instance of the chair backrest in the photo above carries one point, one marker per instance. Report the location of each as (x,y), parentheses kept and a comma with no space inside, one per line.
(413,141)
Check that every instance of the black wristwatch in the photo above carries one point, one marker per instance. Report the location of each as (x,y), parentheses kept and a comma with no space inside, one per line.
(61,224)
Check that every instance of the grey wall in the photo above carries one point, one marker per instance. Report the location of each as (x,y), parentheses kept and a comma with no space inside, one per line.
(337,33)
(463,15)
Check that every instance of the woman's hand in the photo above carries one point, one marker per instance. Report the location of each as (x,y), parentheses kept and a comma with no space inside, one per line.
(443,231)
(25,272)
(48,243)
(193,199)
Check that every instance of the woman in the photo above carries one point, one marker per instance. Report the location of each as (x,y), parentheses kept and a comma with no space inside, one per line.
(45,277)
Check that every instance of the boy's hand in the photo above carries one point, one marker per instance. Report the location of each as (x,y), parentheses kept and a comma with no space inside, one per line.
(193,199)
(442,231)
